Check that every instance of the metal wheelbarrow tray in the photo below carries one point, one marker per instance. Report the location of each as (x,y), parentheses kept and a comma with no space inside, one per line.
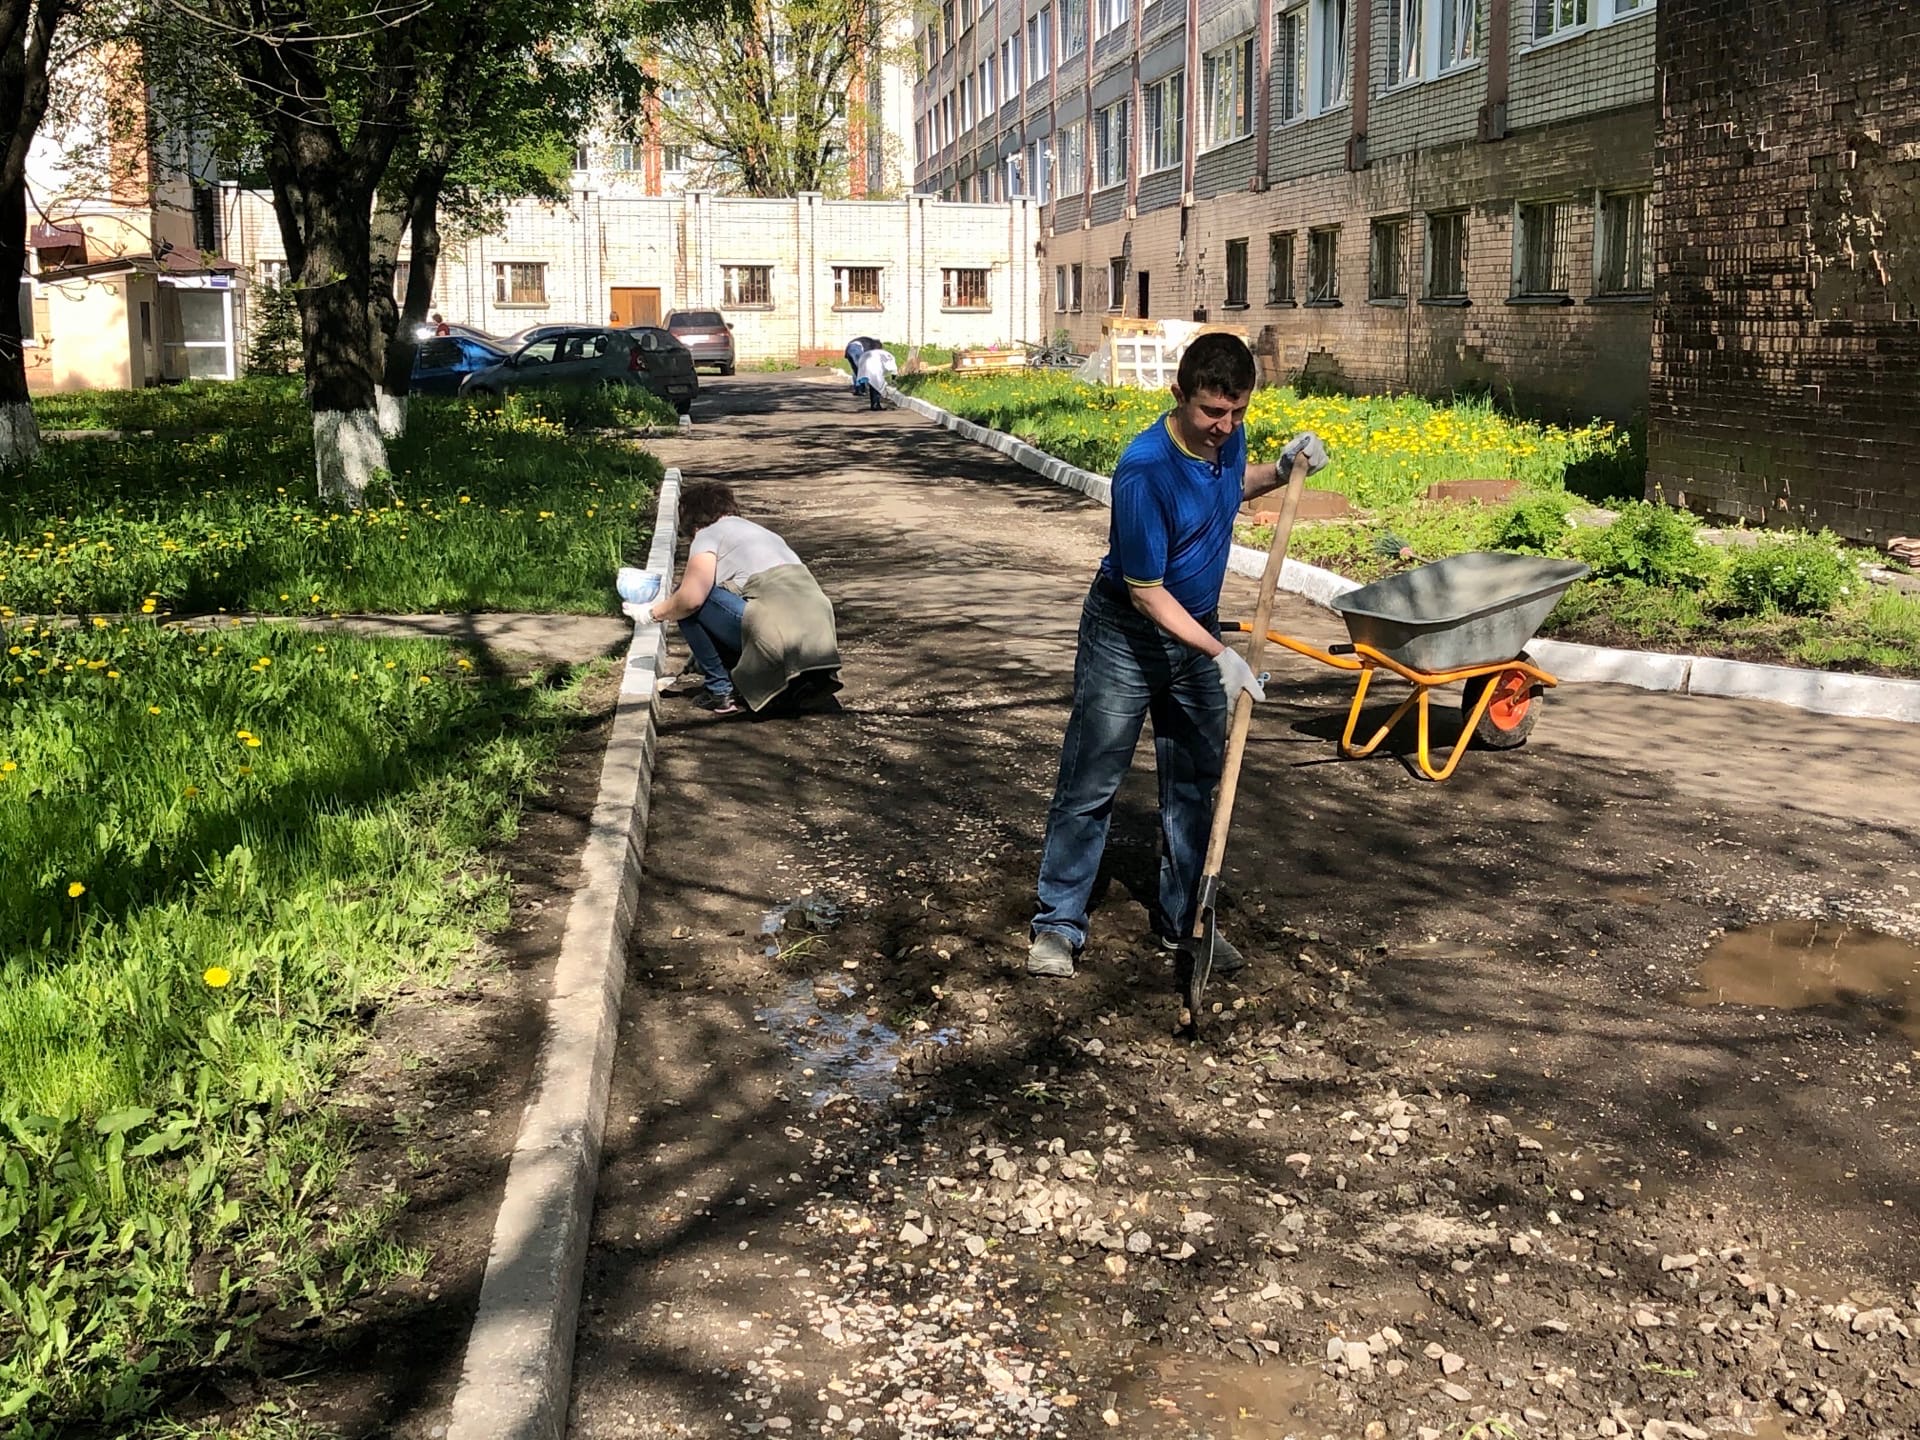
(1464,620)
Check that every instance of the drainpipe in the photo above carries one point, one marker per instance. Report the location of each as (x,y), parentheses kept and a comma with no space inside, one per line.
(1360,82)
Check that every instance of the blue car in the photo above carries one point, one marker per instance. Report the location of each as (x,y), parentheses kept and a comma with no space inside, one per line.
(441,364)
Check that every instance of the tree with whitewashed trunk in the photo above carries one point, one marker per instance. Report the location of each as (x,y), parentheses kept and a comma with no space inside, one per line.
(30,32)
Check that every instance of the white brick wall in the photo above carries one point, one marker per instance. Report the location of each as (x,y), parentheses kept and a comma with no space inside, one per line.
(681,244)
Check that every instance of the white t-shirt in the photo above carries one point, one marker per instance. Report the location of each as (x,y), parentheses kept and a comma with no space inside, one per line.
(741,550)
(876,365)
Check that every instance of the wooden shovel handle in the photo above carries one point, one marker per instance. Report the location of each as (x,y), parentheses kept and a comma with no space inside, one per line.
(1243,702)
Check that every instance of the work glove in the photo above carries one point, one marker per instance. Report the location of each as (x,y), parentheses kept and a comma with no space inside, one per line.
(1309,444)
(1236,675)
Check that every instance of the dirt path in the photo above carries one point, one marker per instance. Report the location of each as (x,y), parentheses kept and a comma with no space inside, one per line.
(1458,1147)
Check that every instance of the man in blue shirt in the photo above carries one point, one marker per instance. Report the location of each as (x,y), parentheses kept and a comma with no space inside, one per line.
(1150,645)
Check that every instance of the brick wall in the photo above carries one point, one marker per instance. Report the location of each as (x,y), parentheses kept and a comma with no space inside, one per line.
(1786,355)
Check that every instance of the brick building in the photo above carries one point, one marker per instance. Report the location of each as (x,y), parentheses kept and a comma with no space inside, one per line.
(1391,194)
(1786,352)
(795,277)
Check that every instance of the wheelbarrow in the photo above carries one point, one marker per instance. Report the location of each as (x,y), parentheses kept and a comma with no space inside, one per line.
(1465,620)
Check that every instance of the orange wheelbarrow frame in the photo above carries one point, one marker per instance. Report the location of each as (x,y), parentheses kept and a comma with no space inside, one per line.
(1507,702)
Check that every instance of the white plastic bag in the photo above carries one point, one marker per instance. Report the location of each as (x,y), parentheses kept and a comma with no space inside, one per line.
(636,586)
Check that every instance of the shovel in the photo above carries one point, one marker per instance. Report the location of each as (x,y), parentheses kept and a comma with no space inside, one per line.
(1196,964)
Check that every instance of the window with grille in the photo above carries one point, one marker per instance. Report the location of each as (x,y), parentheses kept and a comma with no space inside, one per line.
(1117,282)
(1540,250)
(1290,66)
(1387,261)
(1323,266)
(1406,34)
(742,286)
(1110,145)
(1447,255)
(1227,74)
(1073,28)
(1280,268)
(1163,115)
(1332,59)
(964,290)
(1070,168)
(1623,263)
(856,287)
(206,218)
(1459,32)
(519,283)
(1237,274)
(1559,17)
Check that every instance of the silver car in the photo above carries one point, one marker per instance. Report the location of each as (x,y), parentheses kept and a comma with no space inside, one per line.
(707,334)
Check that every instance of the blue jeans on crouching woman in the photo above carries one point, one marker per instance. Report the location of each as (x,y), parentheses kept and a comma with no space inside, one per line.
(1128,668)
(712,635)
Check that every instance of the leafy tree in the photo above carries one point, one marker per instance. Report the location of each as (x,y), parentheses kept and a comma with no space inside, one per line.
(30,31)
(768,92)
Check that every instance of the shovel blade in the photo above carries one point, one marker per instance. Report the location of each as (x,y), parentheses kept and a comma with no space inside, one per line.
(1197,959)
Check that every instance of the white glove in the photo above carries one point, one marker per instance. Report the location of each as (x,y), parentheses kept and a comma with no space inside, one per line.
(1236,675)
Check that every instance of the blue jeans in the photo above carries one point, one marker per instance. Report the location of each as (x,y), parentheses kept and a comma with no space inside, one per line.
(1127,669)
(712,633)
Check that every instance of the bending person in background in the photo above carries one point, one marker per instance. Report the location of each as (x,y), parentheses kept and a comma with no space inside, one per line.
(857,347)
(872,371)
(757,623)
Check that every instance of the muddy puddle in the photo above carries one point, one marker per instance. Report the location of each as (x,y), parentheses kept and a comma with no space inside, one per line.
(1172,1395)
(1814,965)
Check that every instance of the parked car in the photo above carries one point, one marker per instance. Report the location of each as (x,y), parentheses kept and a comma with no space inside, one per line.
(584,356)
(520,339)
(442,363)
(665,360)
(427,330)
(706,334)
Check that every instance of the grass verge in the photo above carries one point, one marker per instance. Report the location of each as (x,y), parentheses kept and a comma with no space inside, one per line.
(223,849)
(512,507)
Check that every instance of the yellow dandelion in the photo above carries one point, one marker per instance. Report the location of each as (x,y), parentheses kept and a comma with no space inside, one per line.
(217,977)
(75,890)
(191,791)
(153,709)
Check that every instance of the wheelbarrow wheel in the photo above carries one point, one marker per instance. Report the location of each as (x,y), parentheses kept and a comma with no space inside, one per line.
(1510,713)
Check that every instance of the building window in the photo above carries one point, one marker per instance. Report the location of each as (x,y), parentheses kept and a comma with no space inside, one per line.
(206,218)
(620,158)
(746,286)
(966,103)
(1075,274)
(1447,256)
(274,272)
(856,287)
(1406,25)
(1328,43)
(1623,250)
(1280,268)
(1109,15)
(1039,45)
(1059,289)
(1290,65)
(964,290)
(1117,283)
(1387,261)
(1228,74)
(1459,32)
(582,158)
(1070,170)
(1073,28)
(26,309)
(1236,274)
(518,283)
(676,158)
(1163,109)
(1110,146)
(1323,266)
(1540,250)
(1560,17)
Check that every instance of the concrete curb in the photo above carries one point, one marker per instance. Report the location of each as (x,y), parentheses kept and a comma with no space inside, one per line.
(1863,697)
(518,1372)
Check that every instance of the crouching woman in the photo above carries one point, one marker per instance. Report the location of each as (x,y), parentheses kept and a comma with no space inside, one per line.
(756,622)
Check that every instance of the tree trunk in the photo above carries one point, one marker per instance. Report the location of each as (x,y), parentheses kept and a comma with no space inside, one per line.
(423,223)
(388,225)
(347,448)
(19,431)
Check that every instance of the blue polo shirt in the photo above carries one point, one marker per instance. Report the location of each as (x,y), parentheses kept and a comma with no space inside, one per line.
(1173,516)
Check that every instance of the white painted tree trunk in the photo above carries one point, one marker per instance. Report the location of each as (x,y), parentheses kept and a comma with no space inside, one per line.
(347,453)
(19,435)
(393,412)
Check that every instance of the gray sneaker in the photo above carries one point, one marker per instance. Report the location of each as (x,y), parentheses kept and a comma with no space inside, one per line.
(1226,959)
(1050,957)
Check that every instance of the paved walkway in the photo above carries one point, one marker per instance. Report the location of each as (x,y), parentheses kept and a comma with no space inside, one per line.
(1522,930)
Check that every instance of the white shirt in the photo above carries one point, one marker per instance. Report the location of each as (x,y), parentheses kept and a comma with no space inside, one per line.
(876,365)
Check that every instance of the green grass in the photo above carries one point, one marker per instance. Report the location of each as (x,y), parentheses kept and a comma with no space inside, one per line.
(220,847)
(933,357)
(501,508)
